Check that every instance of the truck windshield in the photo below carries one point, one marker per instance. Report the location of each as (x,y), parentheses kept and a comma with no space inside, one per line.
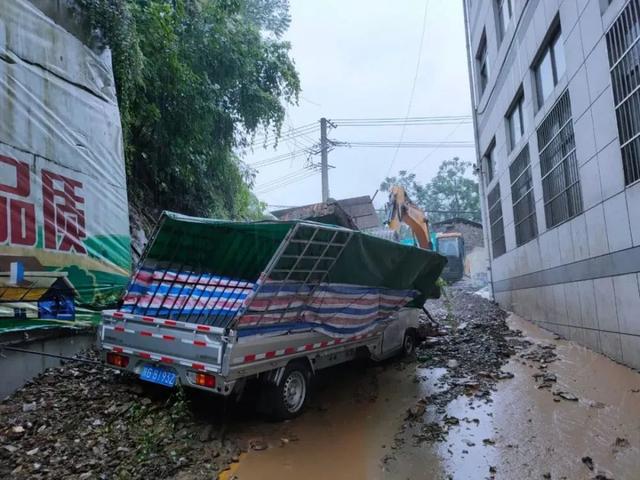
(448,247)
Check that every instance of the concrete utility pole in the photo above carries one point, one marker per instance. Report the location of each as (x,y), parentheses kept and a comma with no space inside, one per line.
(324,161)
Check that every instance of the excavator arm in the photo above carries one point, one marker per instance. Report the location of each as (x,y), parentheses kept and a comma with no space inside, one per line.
(403,210)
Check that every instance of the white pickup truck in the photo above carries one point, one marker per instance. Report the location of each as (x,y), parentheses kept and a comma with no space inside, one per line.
(185,321)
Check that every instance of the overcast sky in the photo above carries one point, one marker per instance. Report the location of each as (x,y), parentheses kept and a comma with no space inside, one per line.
(357,58)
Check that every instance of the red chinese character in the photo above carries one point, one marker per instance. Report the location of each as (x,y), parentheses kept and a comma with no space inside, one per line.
(17,217)
(63,216)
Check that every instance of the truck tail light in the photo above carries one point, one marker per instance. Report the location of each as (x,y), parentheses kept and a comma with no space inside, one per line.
(205,380)
(117,360)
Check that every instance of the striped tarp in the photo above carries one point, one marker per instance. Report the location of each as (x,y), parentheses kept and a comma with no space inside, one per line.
(180,294)
(269,307)
(335,309)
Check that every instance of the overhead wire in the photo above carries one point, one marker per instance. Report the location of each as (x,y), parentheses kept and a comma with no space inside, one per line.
(279,158)
(286,180)
(408,121)
(272,139)
(285,177)
(453,131)
(296,180)
(415,80)
(443,144)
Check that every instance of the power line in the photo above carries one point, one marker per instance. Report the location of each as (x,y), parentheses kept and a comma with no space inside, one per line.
(272,139)
(398,145)
(434,149)
(287,179)
(391,121)
(280,158)
(415,80)
(288,182)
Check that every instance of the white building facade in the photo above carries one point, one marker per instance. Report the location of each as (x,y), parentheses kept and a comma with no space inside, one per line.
(556,94)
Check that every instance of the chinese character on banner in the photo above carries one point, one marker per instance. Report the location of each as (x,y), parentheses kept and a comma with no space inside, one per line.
(17,215)
(64,226)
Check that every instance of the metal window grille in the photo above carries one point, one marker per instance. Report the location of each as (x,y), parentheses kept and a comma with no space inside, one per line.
(624,62)
(524,205)
(559,165)
(498,245)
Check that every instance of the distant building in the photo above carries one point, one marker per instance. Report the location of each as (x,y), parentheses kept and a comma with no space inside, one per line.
(556,97)
(471,231)
(475,263)
(356,213)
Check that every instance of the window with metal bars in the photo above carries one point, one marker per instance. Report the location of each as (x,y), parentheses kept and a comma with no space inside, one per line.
(558,164)
(524,204)
(624,61)
(498,246)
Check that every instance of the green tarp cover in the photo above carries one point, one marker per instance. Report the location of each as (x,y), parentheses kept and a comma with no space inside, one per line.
(242,250)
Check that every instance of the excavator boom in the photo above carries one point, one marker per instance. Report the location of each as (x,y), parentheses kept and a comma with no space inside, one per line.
(403,210)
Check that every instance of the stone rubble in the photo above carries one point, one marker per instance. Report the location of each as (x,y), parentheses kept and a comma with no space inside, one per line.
(90,422)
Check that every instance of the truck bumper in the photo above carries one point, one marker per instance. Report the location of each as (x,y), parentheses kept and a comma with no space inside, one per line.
(186,376)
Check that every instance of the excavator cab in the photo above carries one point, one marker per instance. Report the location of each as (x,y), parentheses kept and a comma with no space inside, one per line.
(451,245)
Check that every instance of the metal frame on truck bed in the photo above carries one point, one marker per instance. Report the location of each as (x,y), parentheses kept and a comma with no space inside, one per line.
(186,320)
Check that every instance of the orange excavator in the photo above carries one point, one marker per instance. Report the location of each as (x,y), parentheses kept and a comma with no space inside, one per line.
(403,210)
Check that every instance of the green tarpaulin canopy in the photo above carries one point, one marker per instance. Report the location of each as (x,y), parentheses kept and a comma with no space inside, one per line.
(242,250)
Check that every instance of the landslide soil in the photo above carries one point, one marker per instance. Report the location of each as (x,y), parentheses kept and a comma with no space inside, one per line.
(86,421)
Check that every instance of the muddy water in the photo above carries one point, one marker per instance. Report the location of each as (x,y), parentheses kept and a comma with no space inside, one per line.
(344,433)
(522,433)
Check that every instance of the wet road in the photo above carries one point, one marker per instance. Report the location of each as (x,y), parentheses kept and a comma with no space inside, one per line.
(524,432)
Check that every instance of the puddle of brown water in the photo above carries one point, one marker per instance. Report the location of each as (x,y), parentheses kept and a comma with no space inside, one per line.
(345,440)
(533,434)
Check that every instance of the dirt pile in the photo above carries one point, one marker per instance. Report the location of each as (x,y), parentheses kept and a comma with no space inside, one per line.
(88,422)
(473,345)
(476,345)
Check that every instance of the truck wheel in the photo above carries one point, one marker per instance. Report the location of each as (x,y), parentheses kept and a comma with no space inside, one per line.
(291,394)
(409,344)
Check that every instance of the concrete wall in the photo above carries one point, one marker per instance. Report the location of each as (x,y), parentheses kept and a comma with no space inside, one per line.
(472,234)
(18,367)
(580,278)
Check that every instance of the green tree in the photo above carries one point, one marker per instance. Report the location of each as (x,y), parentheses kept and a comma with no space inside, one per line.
(196,79)
(451,193)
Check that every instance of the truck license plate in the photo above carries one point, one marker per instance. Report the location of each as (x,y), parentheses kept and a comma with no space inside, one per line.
(158,375)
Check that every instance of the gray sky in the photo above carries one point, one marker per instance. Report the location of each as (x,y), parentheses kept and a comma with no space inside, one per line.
(357,58)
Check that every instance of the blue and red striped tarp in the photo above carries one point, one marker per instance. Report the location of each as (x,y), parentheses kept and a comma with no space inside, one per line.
(265,306)
(173,294)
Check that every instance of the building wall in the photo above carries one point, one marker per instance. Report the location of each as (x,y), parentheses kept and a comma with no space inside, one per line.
(471,233)
(579,278)
(475,263)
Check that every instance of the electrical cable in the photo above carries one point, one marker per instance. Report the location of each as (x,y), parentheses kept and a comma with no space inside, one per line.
(398,145)
(454,130)
(286,181)
(280,158)
(391,121)
(415,80)
(272,139)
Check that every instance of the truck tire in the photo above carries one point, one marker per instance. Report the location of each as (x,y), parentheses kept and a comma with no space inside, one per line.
(409,343)
(290,395)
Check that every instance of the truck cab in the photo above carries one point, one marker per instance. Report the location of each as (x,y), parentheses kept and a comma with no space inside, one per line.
(451,245)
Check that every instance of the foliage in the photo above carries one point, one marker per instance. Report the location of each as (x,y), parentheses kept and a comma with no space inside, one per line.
(451,191)
(195,80)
